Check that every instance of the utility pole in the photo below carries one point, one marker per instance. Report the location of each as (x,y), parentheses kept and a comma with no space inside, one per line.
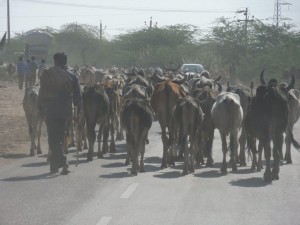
(277,18)
(101,30)
(246,20)
(150,24)
(8,22)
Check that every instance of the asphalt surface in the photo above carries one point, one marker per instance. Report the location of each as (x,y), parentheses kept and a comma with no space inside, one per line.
(102,192)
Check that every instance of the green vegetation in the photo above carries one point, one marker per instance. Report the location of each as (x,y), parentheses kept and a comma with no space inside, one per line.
(227,49)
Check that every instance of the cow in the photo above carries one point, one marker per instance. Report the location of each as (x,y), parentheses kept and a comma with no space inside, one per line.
(246,96)
(267,121)
(136,117)
(207,98)
(95,108)
(11,70)
(87,76)
(294,114)
(164,98)
(34,117)
(188,117)
(227,115)
(113,91)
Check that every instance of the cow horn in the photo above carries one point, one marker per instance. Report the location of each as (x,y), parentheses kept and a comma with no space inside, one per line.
(292,83)
(218,78)
(228,85)
(159,78)
(220,86)
(252,85)
(179,82)
(262,80)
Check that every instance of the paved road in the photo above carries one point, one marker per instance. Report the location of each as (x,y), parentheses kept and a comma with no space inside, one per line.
(103,193)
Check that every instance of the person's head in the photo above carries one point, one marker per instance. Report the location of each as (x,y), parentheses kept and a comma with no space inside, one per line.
(60,59)
(32,58)
(28,61)
(20,58)
(43,61)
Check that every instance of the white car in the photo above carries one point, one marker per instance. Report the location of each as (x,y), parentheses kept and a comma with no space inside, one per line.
(191,69)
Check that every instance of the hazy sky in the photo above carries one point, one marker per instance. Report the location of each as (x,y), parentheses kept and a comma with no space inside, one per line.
(121,16)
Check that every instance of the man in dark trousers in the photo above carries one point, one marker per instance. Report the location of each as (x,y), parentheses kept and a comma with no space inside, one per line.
(58,89)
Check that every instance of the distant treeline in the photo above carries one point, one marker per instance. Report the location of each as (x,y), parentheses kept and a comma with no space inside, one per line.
(228,48)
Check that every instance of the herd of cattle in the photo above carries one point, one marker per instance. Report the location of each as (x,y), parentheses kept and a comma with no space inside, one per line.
(188,110)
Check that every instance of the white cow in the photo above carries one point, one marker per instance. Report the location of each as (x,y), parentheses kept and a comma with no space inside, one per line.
(227,115)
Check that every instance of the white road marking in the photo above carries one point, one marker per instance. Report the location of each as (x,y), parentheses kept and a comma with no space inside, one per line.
(104,220)
(131,188)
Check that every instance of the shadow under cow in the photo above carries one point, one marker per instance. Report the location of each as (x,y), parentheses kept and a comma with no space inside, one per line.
(249,182)
(35,177)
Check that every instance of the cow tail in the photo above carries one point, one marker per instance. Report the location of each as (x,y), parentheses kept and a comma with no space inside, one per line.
(294,142)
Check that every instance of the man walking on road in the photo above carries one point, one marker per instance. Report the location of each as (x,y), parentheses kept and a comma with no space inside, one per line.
(21,69)
(58,88)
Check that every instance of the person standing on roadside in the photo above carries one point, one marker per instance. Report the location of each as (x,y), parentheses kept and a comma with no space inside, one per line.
(21,69)
(58,89)
(32,67)
(27,74)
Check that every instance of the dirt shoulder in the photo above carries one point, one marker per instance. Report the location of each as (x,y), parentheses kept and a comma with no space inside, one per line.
(14,137)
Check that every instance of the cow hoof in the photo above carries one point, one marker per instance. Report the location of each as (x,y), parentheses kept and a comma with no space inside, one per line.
(147,141)
(184,172)
(164,165)
(224,170)
(100,156)
(31,154)
(133,173)
(234,170)
(112,150)
(243,164)
(142,170)
(268,177)
(89,157)
(127,162)
(253,170)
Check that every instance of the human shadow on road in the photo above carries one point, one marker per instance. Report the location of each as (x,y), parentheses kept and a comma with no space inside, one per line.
(249,182)
(116,175)
(35,177)
(36,164)
(74,161)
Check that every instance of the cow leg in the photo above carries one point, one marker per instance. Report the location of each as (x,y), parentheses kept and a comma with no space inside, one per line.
(193,152)
(142,151)
(134,155)
(186,155)
(165,147)
(252,147)
(100,154)
(277,147)
(32,131)
(39,132)
(233,150)
(85,138)
(242,141)
(208,147)
(267,174)
(105,137)
(259,163)
(112,147)
(288,141)
(71,129)
(201,143)
(128,148)
(224,149)
(91,138)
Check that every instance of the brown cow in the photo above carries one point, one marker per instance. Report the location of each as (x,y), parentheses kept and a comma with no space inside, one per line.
(164,98)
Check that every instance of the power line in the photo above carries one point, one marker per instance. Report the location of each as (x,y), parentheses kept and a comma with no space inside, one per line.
(124,8)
